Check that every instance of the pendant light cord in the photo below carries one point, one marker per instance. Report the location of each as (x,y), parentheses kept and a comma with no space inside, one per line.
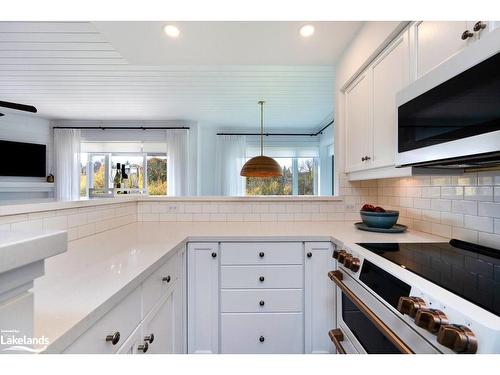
(261,127)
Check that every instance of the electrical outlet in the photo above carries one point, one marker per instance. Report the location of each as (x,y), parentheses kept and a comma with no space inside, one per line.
(172,208)
(349,206)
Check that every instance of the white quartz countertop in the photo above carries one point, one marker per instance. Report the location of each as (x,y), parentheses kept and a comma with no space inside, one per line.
(18,249)
(96,272)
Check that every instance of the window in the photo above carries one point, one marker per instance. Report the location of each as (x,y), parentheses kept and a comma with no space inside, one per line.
(299,178)
(157,175)
(98,171)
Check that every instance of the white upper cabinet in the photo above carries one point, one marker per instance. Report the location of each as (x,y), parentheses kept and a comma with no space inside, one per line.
(358,119)
(390,73)
(436,41)
(371,108)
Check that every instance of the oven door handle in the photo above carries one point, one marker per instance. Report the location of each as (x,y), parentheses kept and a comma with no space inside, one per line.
(337,278)
(337,337)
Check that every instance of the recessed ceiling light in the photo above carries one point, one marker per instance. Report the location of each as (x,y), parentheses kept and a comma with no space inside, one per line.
(172,31)
(307,30)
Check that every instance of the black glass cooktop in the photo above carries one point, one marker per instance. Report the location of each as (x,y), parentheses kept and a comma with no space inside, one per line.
(468,270)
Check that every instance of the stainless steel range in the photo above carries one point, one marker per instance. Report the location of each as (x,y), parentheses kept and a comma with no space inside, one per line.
(439,297)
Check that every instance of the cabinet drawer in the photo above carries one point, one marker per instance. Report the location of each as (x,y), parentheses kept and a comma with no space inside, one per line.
(262,253)
(124,318)
(154,287)
(280,333)
(261,277)
(261,300)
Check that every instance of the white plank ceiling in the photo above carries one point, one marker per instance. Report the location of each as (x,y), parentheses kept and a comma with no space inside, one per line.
(77,70)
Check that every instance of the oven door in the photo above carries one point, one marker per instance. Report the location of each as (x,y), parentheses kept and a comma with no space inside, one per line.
(366,325)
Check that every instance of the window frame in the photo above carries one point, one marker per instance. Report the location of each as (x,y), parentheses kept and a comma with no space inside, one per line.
(108,168)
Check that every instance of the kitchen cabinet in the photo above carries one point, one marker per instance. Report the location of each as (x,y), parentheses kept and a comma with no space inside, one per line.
(358,114)
(274,297)
(158,327)
(155,307)
(436,41)
(319,297)
(203,298)
(371,108)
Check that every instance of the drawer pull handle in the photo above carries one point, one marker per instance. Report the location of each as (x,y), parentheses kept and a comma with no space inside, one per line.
(166,278)
(214,255)
(261,254)
(149,338)
(262,303)
(143,348)
(114,338)
(309,254)
(261,279)
(262,339)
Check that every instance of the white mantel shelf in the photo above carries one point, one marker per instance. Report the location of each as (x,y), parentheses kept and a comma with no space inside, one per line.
(25,186)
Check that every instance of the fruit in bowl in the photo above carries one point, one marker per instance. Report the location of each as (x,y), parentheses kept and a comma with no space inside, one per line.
(378,217)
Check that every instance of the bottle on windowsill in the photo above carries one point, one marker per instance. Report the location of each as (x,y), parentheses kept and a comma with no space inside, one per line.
(118,177)
(124,182)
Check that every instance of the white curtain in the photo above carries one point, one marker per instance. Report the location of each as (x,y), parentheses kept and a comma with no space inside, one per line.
(177,162)
(230,157)
(67,163)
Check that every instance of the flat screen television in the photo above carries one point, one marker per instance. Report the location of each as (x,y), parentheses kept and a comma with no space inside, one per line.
(22,159)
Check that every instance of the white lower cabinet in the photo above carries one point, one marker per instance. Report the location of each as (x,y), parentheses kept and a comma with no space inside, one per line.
(151,319)
(203,298)
(319,297)
(262,333)
(261,297)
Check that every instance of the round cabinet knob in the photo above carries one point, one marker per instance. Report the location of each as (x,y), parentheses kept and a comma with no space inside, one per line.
(262,339)
(430,319)
(347,261)
(114,338)
(214,255)
(342,256)
(355,265)
(336,253)
(458,338)
(143,348)
(166,278)
(261,279)
(467,34)
(309,254)
(410,305)
(261,254)
(149,338)
(479,25)
(262,303)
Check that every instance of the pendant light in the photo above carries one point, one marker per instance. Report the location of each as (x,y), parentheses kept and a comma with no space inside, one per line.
(261,166)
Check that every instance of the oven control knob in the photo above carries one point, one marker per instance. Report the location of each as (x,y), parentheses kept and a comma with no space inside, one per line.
(342,256)
(355,265)
(336,253)
(347,261)
(430,319)
(410,305)
(458,338)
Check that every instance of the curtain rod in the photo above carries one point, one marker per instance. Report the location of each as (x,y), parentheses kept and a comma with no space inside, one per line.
(285,134)
(123,127)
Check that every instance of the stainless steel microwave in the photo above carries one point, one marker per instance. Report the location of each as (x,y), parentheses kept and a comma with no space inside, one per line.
(450,118)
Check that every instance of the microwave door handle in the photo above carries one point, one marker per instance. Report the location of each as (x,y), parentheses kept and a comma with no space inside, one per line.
(337,337)
(336,277)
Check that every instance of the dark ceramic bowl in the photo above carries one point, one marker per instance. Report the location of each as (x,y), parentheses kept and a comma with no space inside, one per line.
(385,219)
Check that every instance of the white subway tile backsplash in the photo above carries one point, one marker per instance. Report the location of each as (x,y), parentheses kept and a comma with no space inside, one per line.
(452,192)
(479,223)
(489,209)
(440,180)
(489,239)
(478,193)
(431,192)
(421,203)
(464,207)
(441,205)
(464,234)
